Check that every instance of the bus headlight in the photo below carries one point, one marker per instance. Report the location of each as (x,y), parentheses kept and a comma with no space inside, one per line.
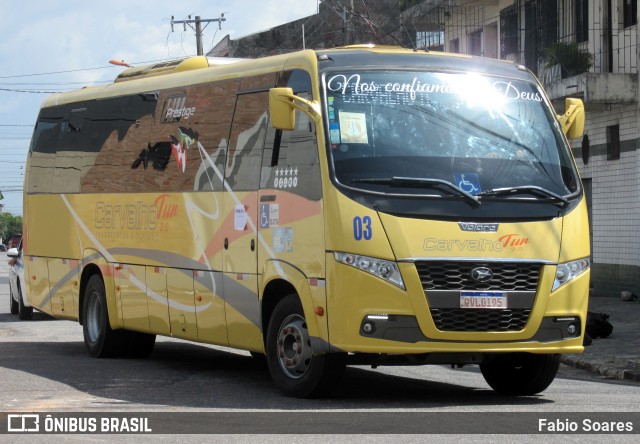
(569,270)
(386,270)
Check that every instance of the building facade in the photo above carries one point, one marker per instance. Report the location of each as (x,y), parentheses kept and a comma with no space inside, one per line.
(578,48)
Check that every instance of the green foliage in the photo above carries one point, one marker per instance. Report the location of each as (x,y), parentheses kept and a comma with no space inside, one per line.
(570,57)
(9,226)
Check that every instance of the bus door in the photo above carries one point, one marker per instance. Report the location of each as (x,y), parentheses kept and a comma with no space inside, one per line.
(239,229)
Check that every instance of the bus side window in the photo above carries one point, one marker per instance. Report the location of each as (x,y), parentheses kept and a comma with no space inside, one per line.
(293,154)
(242,168)
(42,154)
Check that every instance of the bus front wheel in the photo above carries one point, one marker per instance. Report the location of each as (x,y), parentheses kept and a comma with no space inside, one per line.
(294,368)
(520,374)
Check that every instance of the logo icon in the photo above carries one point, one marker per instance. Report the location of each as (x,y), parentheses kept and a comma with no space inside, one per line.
(23,423)
(481,274)
(468,182)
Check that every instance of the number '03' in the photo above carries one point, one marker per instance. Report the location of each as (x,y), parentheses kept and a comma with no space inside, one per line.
(362,228)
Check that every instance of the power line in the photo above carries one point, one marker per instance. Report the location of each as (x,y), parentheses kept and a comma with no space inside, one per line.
(47,83)
(55,72)
(78,70)
(30,91)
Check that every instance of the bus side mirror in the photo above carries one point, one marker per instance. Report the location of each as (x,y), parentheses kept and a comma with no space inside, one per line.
(572,120)
(281,108)
(13,253)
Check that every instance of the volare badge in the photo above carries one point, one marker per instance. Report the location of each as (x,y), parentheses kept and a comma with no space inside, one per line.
(478,227)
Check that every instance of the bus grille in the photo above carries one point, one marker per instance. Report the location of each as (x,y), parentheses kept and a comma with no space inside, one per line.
(448,278)
(457,276)
(458,319)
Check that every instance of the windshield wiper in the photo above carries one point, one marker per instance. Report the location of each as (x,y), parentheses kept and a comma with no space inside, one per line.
(528,189)
(417,182)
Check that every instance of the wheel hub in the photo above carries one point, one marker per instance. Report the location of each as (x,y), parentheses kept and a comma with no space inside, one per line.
(294,351)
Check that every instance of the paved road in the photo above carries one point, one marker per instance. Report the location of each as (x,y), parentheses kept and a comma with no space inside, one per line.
(44,368)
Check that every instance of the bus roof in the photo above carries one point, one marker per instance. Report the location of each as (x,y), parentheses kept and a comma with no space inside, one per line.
(200,69)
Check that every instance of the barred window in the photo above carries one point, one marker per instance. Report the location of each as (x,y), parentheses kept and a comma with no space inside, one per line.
(582,20)
(508,31)
(630,12)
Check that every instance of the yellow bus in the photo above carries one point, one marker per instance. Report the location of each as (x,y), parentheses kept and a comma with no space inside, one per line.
(360,205)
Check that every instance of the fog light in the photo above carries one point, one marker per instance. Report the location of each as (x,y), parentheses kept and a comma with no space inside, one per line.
(369,327)
(572,329)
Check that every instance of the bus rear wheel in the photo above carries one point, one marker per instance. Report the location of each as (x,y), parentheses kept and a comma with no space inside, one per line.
(294,368)
(101,341)
(520,374)
(24,313)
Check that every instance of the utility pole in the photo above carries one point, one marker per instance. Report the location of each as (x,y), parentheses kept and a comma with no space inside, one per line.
(198,27)
(349,25)
(346,16)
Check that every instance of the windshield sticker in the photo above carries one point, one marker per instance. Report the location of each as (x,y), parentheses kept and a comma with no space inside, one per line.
(468,182)
(353,127)
(334,131)
(354,85)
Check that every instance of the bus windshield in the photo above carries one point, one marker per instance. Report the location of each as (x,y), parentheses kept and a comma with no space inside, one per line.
(401,132)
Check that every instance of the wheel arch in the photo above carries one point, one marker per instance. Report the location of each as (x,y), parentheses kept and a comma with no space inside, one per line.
(275,291)
(88,271)
(95,263)
(281,279)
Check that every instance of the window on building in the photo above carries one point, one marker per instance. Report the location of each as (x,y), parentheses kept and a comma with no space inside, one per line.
(508,31)
(491,40)
(549,22)
(531,34)
(433,41)
(630,12)
(454,45)
(582,20)
(613,142)
(475,43)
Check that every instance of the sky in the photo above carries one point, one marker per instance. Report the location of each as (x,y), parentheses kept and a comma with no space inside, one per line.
(52,45)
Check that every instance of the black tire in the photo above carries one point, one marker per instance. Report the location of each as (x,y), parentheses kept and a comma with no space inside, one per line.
(24,313)
(140,344)
(101,341)
(520,374)
(296,371)
(259,358)
(13,304)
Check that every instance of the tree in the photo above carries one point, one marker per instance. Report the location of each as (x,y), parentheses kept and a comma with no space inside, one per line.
(10,225)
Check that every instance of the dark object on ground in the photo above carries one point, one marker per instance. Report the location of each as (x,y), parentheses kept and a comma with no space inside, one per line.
(598,325)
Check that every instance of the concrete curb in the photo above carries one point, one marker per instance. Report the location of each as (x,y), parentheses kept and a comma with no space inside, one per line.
(605,369)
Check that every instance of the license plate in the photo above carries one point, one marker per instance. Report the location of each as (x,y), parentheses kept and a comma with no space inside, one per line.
(483,299)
